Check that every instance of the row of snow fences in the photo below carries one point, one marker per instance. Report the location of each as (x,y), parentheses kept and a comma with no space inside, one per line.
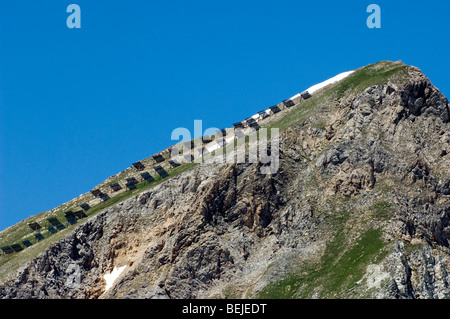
(249,122)
(266,113)
(72,217)
(55,226)
(131,182)
(202,151)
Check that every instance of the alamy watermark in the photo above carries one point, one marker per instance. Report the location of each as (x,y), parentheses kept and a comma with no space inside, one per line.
(251,144)
(374,19)
(74,19)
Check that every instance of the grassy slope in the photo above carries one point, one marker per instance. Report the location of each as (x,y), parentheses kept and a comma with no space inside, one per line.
(344,262)
(374,74)
(339,269)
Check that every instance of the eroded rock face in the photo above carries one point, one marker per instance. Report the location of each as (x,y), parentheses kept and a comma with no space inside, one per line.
(226,230)
(421,274)
(178,239)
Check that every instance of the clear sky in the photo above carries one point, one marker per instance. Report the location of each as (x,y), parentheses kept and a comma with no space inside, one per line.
(80,105)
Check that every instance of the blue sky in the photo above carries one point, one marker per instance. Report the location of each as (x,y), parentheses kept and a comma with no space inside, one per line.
(80,105)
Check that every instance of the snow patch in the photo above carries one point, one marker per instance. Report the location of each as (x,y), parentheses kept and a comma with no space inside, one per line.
(320,85)
(334,79)
(111,278)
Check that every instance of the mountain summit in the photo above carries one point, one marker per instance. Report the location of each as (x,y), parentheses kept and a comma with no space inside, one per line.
(358,208)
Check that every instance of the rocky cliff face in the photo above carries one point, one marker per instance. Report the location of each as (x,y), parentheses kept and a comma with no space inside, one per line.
(359,208)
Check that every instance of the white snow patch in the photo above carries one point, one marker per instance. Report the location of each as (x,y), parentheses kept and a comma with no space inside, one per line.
(320,85)
(110,278)
(334,79)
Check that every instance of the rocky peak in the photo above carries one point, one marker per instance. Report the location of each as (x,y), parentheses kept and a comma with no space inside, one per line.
(358,209)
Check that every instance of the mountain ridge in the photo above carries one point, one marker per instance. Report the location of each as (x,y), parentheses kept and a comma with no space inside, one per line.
(359,208)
